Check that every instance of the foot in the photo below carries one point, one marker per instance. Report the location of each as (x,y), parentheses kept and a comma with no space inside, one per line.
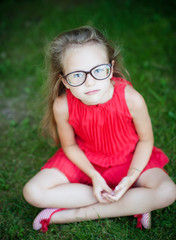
(146,220)
(42,220)
(143,220)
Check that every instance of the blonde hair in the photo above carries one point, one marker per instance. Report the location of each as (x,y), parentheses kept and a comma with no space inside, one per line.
(54,86)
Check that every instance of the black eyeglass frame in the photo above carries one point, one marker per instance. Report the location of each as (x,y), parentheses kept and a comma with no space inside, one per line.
(87,72)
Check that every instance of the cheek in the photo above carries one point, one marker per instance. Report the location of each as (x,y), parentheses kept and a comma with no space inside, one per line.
(77,91)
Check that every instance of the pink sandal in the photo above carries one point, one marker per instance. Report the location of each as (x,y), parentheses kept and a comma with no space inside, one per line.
(42,220)
(144,220)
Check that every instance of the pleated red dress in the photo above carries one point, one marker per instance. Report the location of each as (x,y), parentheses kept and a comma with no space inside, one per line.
(107,135)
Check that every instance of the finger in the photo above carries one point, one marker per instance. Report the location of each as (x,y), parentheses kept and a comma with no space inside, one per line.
(117,195)
(120,193)
(99,196)
(106,196)
(107,189)
(117,188)
(110,198)
(104,200)
(113,198)
(122,184)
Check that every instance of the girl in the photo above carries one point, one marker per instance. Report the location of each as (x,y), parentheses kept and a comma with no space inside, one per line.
(107,165)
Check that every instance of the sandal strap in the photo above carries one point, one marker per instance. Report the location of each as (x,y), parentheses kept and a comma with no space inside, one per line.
(139,224)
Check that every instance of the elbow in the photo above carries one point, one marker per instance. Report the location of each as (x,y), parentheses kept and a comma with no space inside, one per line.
(69,148)
(150,142)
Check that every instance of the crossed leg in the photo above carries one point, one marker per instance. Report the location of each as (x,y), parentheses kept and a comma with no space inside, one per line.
(51,189)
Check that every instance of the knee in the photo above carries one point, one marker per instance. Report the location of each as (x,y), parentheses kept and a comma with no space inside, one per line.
(33,194)
(167,193)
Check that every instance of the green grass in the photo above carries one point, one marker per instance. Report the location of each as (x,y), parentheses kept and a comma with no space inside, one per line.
(146,33)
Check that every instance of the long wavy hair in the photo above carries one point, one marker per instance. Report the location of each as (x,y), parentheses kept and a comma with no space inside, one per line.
(54,86)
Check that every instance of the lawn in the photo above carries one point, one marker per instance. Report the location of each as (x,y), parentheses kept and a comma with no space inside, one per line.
(146,33)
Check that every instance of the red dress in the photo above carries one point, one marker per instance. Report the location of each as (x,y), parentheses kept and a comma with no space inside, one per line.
(107,135)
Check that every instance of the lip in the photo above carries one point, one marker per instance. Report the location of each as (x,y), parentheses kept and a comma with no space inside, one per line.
(92,92)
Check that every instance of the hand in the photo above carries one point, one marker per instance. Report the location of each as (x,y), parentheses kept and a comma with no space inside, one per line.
(101,188)
(120,190)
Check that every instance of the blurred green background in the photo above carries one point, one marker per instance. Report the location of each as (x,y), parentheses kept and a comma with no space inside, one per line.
(145,30)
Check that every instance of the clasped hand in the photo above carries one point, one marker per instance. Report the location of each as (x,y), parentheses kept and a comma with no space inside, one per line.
(105,194)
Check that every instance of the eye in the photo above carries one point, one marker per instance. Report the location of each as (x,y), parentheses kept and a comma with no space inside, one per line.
(77,75)
(98,70)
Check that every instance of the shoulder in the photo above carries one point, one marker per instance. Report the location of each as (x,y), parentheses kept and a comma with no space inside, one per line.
(60,106)
(134,101)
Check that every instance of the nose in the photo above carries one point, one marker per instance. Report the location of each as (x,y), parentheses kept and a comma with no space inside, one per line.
(89,80)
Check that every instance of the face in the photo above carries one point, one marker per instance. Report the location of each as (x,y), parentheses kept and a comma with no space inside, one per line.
(84,58)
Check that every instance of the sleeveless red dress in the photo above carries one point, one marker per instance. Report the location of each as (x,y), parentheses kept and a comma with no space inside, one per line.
(106,133)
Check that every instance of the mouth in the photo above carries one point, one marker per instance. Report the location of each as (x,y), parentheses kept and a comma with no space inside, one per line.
(92,92)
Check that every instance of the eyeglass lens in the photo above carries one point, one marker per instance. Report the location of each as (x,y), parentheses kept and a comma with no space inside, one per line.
(100,72)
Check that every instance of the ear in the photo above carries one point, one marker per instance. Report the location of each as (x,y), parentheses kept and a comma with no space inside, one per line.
(112,68)
(113,62)
(64,82)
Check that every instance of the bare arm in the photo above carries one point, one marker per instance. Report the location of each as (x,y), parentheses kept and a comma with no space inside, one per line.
(67,137)
(72,150)
(142,122)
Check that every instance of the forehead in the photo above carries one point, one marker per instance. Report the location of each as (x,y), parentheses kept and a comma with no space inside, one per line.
(84,57)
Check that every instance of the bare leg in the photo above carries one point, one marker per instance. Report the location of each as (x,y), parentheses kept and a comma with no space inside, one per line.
(51,189)
(153,190)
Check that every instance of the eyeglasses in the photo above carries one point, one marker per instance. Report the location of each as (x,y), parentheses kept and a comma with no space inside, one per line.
(99,72)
